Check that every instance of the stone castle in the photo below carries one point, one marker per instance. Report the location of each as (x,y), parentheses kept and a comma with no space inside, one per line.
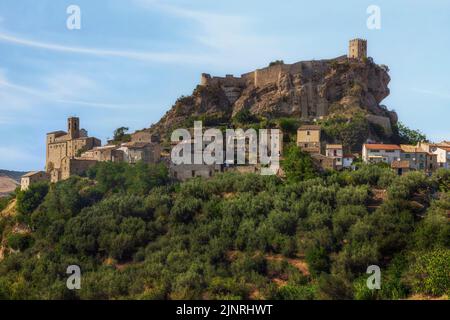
(284,75)
(261,77)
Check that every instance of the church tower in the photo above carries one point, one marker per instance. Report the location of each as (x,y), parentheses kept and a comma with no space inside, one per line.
(73,127)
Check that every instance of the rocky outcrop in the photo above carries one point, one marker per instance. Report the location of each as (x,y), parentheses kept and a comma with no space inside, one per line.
(305,90)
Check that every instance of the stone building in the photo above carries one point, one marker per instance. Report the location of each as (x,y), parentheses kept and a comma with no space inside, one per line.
(308,138)
(441,150)
(70,144)
(183,172)
(400,166)
(72,166)
(105,153)
(144,136)
(418,158)
(324,162)
(146,152)
(357,49)
(33,177)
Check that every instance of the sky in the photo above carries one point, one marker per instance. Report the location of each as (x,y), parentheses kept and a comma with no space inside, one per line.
(131,59)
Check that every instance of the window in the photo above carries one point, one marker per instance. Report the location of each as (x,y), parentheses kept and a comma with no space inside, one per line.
(193,173)
(407,156)
(308,133)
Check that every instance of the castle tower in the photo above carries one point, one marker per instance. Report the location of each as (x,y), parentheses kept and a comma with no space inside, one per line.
(73,127)
(357,49)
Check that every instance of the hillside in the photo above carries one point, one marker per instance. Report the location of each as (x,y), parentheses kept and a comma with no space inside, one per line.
(137,235)
(304,90)
(9,180)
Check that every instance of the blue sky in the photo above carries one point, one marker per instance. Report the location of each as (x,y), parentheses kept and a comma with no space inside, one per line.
(132,59)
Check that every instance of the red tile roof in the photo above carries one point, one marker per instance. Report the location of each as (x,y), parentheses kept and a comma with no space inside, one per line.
(380,146)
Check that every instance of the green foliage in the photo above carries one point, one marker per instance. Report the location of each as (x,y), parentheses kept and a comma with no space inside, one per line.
(430,273)
(121,135)
(409,136)
(350,132)
(442,177)
(298,165)
(295,292)
(29,200)
(4,203)
(19,241)
(318,260)
(136,235)
(244,116)
(276,62)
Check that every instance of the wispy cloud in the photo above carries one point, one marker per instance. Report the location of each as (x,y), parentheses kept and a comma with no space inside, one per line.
(232,37)
(438,94)
(162,57)
(62,89)
(13,156)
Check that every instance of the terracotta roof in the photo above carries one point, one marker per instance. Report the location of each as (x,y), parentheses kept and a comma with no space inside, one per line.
(445,148)
(411,149)
(402,164)
(309,127)
(377,146)
(334,146)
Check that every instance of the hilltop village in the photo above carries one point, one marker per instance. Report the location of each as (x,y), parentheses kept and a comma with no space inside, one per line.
(73,152)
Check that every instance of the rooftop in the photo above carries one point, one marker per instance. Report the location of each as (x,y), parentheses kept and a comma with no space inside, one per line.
(334,146)
(411,149)
(381,146)
(30,174)
(402,164)
(309,127)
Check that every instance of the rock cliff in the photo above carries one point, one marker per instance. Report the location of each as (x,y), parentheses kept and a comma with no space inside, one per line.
(306,90)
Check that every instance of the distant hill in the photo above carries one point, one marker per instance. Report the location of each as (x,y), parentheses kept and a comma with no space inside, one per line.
(9,180)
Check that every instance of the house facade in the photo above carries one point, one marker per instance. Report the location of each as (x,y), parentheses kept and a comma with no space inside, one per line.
(375,153)
(33,177)
(335,151)
(308,138)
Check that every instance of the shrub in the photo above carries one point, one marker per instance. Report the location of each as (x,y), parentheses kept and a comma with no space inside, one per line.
(29,200)
(430,273)
(18,241)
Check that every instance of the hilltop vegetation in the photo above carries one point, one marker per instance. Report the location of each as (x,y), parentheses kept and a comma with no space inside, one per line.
(137,235)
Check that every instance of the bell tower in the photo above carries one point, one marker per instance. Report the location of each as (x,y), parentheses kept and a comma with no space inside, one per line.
(73,127)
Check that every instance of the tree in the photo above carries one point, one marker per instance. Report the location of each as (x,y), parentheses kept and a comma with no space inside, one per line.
(298,165)
(120,134)
(409,136)
(30,199)
(430,274)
